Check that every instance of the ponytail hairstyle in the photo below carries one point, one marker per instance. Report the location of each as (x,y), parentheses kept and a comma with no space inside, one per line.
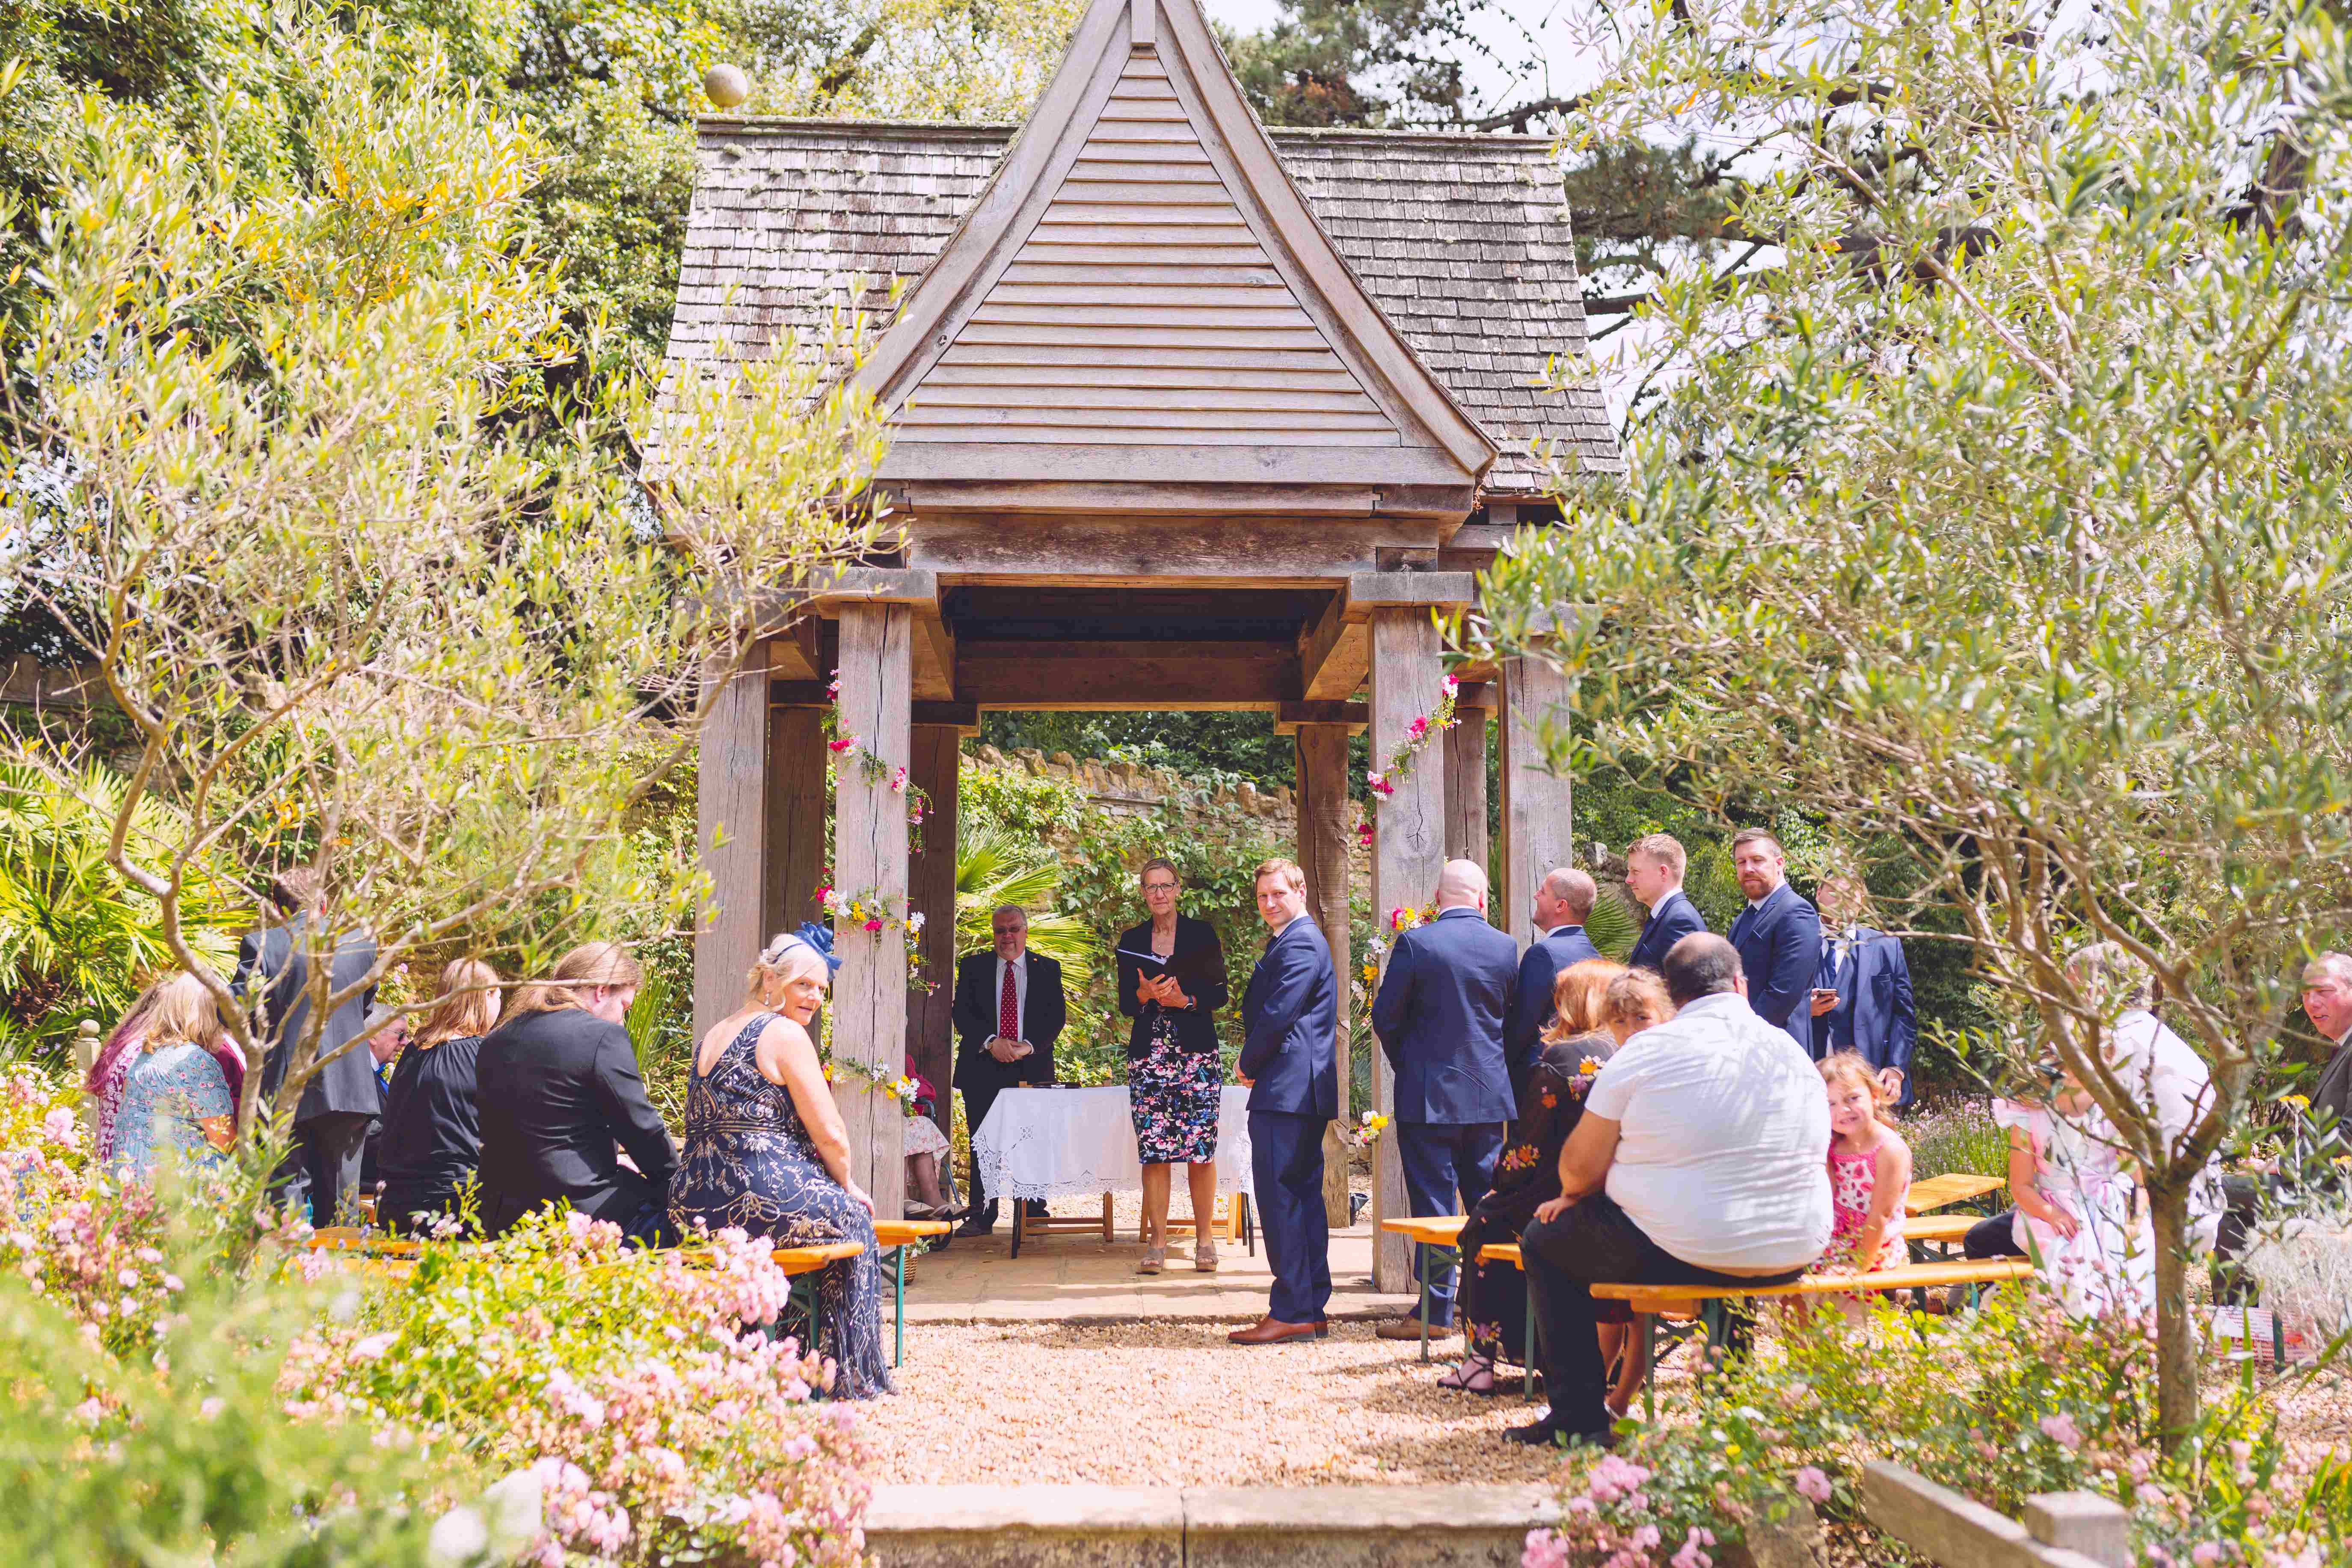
(1853,1067)
(591,964)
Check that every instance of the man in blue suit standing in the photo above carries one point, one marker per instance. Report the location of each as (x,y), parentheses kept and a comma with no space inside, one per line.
(1779,937)
(1654,875)
(1439,1017)
(1290,1022)
(1563,901)
(1861,996)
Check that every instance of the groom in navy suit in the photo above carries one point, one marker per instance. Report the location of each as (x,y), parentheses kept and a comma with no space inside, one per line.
(1290,1021)
(1779,937)
(1654,875)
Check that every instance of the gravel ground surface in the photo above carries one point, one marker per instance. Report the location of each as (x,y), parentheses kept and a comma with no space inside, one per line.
(1163,1403)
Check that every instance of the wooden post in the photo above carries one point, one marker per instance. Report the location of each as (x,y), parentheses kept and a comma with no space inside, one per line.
(732,831)
(1538,830)
(1466,781)
(1323,855)
(1407,849)
(869,997)
(798,801)
(931,887)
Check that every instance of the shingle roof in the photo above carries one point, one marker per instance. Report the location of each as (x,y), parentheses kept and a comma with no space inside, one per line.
(1461,241)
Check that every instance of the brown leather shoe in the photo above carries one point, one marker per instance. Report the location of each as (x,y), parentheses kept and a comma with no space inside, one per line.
(1271,1330)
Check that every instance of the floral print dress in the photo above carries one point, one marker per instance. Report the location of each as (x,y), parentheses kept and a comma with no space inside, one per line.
(167,1095)
(1172,1098)
(749,1163)
(1854,1183)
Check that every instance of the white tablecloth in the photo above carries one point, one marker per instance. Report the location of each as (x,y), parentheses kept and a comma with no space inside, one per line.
(1074,1142)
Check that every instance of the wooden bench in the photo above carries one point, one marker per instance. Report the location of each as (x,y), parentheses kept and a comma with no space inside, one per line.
(1441,1231)
(1954,1191)
(894,1236)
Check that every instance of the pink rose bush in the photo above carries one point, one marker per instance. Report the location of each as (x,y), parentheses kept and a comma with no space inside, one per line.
(642,1388)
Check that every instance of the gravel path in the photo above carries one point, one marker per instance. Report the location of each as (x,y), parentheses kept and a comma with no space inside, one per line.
(1171,1404)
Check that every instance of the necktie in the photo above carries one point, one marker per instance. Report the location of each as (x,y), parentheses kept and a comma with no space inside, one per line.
(1008,1009)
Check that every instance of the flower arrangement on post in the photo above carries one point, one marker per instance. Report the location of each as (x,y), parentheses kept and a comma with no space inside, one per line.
(873,910)
(1365,1133)
(1382,782)
(874,769)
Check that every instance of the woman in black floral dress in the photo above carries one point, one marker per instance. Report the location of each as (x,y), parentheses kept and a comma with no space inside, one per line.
(1172,979)
(766,1151)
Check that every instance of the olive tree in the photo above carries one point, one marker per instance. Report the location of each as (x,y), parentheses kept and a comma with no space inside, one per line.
(266,464)
(2005,513)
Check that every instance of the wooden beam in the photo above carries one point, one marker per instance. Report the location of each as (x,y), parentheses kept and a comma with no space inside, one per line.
(1334,655)
(934,500)
(793,652)
(875,585)
(1110,676)
(1466,789)
(1369,591)
(1407,849)
(931,1030)
(1109,551)
(730,834)
(1172,457)
(869,998)
(1539,819)
(1324,854)
(799,694)
(798,802)
(963,718)
(935,654)
(1139,18)
(1353,717)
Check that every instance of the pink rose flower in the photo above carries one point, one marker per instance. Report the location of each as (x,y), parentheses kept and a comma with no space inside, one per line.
(2060,1429)
(1812,1483)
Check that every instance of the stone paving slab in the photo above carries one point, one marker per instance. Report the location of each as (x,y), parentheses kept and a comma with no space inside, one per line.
(1068,1277)
(1203,1527)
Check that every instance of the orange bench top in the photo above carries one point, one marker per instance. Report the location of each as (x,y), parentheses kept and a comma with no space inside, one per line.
(809,1260)
(1434,1230)
(906,1232)
(1943,1192)
(1911,1276)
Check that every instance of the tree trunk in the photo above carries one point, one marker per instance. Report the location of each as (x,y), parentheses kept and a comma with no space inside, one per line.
(2175,1338)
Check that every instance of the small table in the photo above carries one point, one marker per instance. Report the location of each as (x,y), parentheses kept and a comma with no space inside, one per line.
(1054,1142)
(1441,1231)
(1949,1191)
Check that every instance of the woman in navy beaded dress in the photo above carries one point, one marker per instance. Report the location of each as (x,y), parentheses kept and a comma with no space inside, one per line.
(766,1150)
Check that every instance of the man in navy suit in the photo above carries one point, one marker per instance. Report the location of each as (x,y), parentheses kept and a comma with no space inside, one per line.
(1563,901)
(1439,1017)
(1861,996)
(1779,937)
(1654,875)
(1290,1023)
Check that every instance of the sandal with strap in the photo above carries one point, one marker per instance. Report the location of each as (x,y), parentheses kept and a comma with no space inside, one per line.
(1204,1255)
(1459,1378)
(1155,1258)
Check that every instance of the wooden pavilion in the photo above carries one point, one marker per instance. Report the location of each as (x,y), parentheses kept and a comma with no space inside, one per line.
(1186,415)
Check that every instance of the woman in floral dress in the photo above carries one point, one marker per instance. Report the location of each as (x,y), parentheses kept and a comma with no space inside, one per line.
(766,1151)
(176,1110)
(1172,980)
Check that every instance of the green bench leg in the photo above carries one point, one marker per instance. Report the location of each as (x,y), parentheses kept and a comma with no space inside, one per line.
(1421,1268)
(898,1305)
(1650,1367)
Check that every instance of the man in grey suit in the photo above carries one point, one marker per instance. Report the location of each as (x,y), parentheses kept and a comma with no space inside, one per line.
(320,1174)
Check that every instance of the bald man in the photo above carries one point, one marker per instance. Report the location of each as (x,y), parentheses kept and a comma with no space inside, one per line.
(1564,901)
(1439,1017)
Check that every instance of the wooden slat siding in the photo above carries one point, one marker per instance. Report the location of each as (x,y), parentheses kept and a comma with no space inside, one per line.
(1143,309)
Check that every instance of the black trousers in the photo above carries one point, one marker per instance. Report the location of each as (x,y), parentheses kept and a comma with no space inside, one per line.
(320,1174)
(1595,1242)
(1994,1237)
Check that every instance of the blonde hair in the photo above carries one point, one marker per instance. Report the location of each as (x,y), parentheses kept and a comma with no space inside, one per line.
(183,1014)
(1287,869)
(1852,1067)
(1576,995)
(590,964)
(784,957)
(1638,997)
(465,1005)
(1663,848)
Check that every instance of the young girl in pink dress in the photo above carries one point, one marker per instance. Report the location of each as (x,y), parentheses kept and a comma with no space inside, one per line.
(1870,1173)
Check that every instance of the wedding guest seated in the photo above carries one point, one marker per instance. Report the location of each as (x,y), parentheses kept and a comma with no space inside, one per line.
(1572,1048)
(177,1112)
(925,1147)
(432,1141)
(559,1096)
(1701,1158)
(767,1152)
(1870,1173)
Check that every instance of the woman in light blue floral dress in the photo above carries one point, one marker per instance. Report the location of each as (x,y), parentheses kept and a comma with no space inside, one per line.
(176,1111)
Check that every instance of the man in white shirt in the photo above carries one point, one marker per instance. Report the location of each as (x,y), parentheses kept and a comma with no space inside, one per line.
(1701,1158)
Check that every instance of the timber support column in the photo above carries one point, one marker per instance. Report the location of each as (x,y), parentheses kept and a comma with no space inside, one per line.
(869,994)
(1538,831)
(1408,840)
(1323,855)
(1465,778)
(798,804)
(732,834)
(931,889)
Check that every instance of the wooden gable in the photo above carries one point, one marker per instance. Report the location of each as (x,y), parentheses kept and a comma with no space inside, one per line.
(1141,298)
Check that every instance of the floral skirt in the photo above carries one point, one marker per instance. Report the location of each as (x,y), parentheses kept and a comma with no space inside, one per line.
(1172,1095)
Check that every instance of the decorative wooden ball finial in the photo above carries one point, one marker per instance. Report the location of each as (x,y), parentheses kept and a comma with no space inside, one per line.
(727,86)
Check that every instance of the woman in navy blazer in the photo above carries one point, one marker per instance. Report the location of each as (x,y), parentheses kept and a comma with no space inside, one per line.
(1172,981)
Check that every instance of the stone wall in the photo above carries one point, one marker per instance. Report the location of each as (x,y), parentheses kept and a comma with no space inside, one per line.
(1137,790)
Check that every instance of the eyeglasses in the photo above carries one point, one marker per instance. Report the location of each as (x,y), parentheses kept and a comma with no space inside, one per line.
(1159,886)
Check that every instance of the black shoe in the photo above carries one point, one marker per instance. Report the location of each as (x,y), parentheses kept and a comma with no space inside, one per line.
(1543,1434)
(1036,1207)
(978,1224)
